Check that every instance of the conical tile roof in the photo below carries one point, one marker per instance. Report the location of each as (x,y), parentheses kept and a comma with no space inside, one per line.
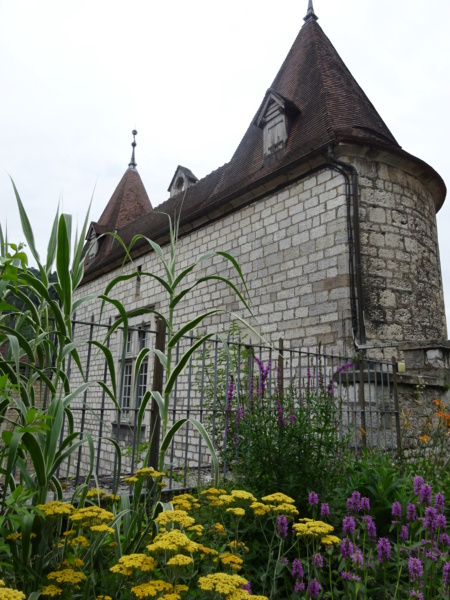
(128,202)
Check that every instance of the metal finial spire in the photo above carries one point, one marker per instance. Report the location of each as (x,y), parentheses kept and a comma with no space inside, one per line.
(310,13)
(132,164)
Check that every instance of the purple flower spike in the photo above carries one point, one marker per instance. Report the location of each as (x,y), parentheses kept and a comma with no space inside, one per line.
(354,502)
(447,574)
(324,510)
(383,550)
(397,510)
(282,526)
(404,535)
(439,502)
(346,549)
(348,525)
(370,526)
(247,587)
(418,484)
(425,494)
(365,504)
(411,512)
(299,586)
(313,499)
(314,588)
(297,568)
(415,566)
(318,560)
(429,521)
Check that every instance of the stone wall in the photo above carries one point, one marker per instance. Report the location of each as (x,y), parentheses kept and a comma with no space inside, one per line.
(292,246)
(403,294)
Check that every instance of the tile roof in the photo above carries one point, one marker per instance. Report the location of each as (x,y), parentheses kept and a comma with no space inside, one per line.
(332,108)
(128,202)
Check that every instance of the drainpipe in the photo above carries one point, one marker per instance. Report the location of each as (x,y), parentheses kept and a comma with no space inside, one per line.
(351,176)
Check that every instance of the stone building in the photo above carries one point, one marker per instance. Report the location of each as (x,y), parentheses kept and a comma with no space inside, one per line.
(331,221)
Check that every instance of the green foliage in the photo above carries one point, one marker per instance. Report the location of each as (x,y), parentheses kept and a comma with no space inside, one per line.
(378,476)
(38,437)
(178,285)
(283,441)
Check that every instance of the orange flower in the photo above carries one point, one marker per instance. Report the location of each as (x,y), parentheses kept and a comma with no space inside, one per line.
(424,438)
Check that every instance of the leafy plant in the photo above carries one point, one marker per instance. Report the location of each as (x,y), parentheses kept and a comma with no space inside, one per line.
(287,441)
(177,287)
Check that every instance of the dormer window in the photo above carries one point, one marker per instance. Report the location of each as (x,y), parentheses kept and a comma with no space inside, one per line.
(182,179)
(275,119)
(92,244)
(179,184)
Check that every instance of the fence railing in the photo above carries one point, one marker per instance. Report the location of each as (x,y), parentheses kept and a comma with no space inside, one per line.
(363,389)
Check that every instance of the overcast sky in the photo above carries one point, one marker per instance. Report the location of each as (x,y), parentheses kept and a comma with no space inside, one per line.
(78,76)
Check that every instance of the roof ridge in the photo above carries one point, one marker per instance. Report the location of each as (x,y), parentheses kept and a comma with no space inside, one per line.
(317,49)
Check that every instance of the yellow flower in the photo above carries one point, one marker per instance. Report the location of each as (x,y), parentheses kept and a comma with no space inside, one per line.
(180,587)
(329,540)
(219,528)
(104,598)
(222,583)
(278,498)
(424,438)
(70,532)
(92,515)
(173,540)
(206,550)
(94,492)
(102,528)
(152,588)
(51,590)
(313,528)
(131,562)
(56,509)
(148,472)
(237,545)
(242,495)
(198,529)
(114,498)
(286,509)
(80,541)
(212,491)
(226,498)
(69,576)
(180,560)
(238,512)
(131,479)
(10,594)
(179,517)
(14,536)
(231,560)
(260,509)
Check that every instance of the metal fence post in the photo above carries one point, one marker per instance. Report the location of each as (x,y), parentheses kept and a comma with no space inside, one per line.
(362,399)
(281,367)
(157,386)
(396,406)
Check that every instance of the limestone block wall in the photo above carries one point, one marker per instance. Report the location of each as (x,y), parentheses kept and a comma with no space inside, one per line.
(401,272)
(292,248)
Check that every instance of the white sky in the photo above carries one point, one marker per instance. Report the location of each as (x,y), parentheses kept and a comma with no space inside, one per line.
(78,76)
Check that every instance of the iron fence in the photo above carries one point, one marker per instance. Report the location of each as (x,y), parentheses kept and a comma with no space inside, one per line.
(364,391)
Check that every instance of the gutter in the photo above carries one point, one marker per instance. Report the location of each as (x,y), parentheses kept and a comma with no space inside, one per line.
(351,176)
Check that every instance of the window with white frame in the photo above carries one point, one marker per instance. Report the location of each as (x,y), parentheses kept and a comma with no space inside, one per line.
(134,385)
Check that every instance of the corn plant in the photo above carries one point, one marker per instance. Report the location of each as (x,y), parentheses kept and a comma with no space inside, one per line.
(177,288)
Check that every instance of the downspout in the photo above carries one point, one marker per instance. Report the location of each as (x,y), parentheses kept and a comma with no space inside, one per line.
(351,175)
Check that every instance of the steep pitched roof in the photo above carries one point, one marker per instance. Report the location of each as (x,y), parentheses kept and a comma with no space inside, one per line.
(332,105)
(329,107)
(128,202)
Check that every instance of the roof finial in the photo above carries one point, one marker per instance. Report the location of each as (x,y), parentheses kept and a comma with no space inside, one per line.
(310,13)
(132,164)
